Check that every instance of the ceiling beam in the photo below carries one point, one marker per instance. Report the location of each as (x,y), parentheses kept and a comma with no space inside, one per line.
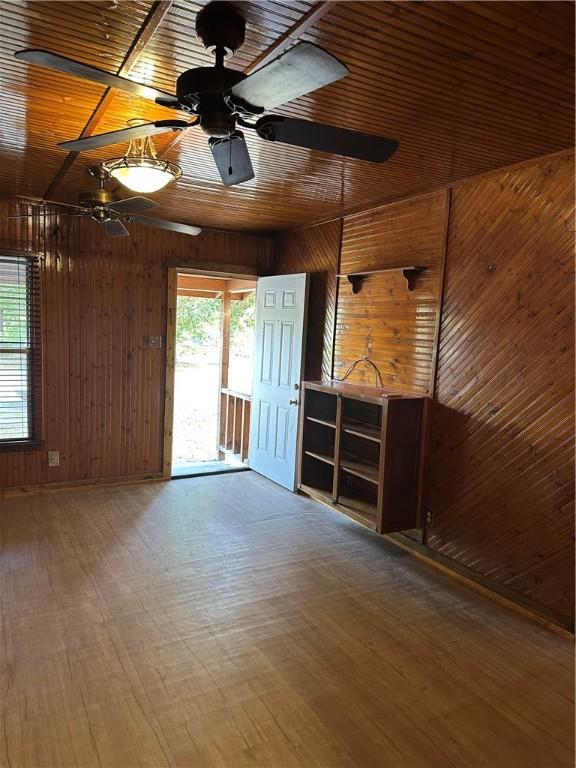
(198,283)
(207,284)
(155,17)
(314,14)
(190,292)
(241,286)
(288,38)
(151,23)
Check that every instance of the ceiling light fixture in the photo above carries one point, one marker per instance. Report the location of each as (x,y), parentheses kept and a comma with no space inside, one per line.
(140,169)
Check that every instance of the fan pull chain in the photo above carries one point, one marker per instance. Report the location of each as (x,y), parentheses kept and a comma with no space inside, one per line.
(230,166)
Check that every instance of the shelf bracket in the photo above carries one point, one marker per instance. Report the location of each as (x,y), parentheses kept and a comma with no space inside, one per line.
(356,282)
(410,274)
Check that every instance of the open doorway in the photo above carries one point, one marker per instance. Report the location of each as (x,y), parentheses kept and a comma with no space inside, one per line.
(213,358)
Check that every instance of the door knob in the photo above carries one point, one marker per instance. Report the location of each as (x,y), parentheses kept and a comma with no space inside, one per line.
(293,402)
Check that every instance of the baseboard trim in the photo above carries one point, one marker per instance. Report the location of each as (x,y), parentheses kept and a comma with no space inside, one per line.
(557,623)
(554,622)
(70,485)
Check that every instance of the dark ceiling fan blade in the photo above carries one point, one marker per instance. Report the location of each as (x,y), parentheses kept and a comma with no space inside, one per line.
(133,205)
(124,134)
(232,159)
(72,67)
(326,138)
(171,226)
(302,69)
(115,228)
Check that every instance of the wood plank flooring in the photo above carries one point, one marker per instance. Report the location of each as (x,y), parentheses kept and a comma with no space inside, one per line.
(222,621)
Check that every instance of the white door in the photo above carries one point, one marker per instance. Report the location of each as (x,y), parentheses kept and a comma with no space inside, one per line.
(281,304)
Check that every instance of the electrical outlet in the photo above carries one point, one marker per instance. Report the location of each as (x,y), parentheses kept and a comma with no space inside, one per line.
(53,458)
(429,517)
(155,342)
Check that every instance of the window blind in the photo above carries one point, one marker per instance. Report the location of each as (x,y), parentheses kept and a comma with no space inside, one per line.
(19,349)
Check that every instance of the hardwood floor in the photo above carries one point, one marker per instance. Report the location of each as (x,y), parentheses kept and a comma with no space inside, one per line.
(222,621)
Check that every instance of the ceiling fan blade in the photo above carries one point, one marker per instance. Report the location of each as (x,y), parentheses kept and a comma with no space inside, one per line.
(124,134)
(302,69)
(45,208)
(57,214)
(326,138)
(42,203)
(133,205)
(115,228)
(232,159)
(72,67)
(171,226)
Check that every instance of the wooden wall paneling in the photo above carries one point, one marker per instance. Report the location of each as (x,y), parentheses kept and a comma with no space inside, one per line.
(396,328)
(502,472)
(419,533)
(238,252)
(104,386)
(315,250)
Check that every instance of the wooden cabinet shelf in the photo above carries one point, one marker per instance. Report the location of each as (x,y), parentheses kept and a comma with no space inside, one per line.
(361,451)
(361,511)
(317,492)
(367,431)
(325,457)
(326,423)
(359,468)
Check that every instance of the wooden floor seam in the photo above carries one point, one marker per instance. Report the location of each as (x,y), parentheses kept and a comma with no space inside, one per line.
(222,621)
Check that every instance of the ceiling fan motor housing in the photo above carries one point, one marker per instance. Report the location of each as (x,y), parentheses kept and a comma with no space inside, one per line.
(202,90)
(97,197)
(219,25)
(97,202)
(101,214)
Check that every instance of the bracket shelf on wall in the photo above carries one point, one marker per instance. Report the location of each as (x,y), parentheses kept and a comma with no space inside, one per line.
(409,273)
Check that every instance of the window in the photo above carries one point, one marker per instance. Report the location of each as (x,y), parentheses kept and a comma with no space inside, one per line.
(20,366)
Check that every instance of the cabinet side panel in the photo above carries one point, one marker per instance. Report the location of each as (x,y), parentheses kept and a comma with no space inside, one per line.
(401,471)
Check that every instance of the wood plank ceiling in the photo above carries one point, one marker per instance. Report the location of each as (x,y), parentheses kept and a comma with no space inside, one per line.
(466,87)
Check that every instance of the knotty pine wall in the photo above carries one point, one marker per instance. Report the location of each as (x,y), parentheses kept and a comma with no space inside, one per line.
(101,299)
(394,327)
(502,472)
(315,250)
(498,297)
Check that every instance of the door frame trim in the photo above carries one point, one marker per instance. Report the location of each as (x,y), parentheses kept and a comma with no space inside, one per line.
(170,357)
(170,371)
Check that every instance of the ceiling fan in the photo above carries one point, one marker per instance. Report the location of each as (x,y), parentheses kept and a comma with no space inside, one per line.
(222,99)
(111,214)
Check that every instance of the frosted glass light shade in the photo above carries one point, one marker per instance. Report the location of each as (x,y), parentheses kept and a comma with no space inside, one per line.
(142,174)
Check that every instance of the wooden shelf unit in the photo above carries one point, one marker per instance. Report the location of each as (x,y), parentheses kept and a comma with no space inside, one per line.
(362,451)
